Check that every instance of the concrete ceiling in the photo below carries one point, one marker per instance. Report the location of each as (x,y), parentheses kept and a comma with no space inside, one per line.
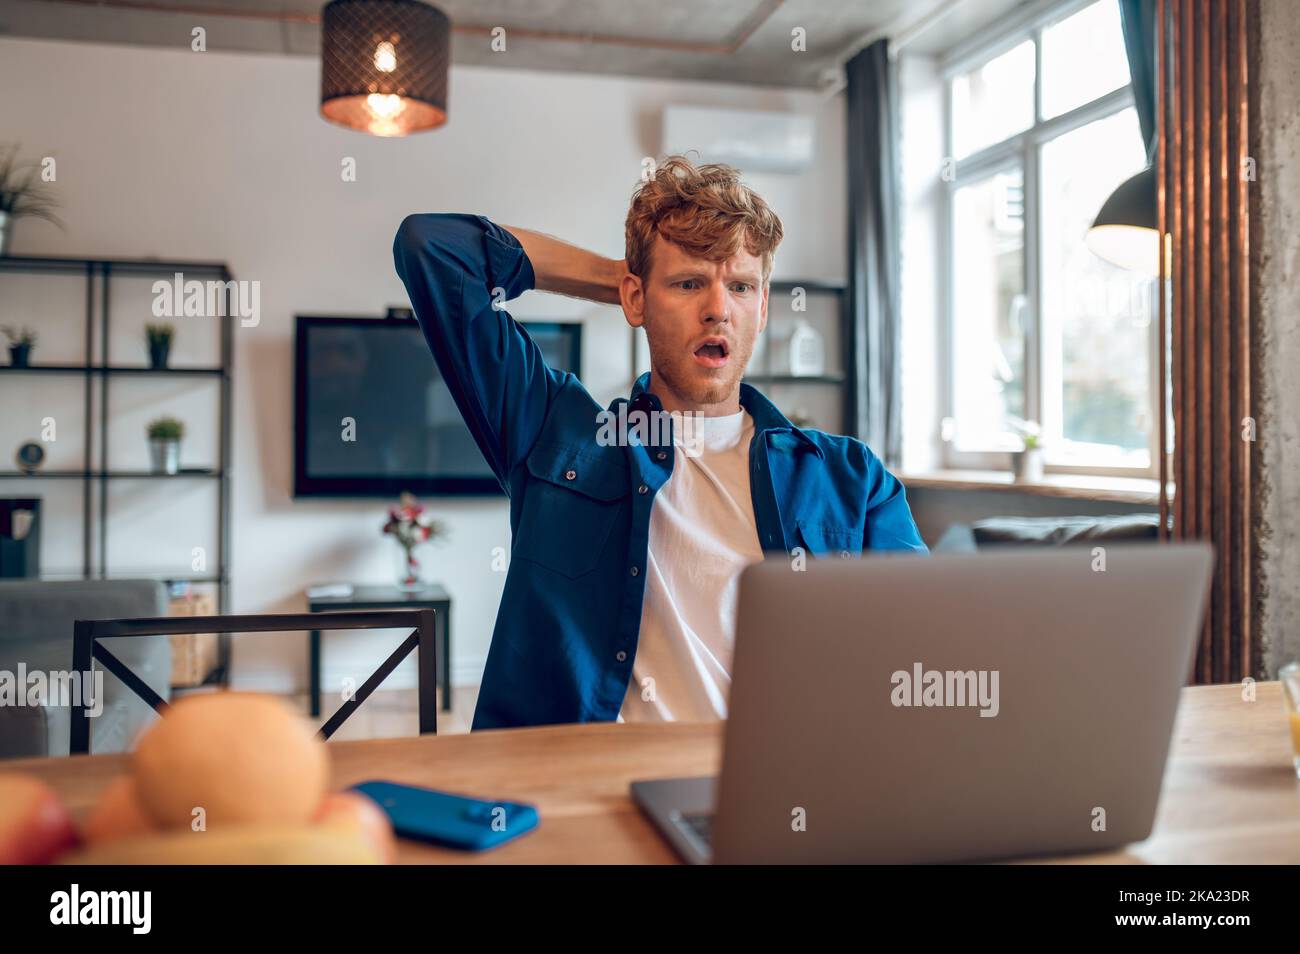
(736,41)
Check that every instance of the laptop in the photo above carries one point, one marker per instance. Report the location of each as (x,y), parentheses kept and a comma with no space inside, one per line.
(963,707)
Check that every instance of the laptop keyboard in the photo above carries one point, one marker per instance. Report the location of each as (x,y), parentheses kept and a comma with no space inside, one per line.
(700,825)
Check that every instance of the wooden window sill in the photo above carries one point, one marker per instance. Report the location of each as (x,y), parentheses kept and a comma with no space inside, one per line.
(1130,490)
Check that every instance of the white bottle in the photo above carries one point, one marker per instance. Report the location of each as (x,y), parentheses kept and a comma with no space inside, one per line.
(807,351)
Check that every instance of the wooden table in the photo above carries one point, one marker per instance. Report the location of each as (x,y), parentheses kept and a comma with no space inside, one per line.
(1230,793)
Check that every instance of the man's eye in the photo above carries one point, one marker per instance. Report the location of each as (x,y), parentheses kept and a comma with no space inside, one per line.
(742,287)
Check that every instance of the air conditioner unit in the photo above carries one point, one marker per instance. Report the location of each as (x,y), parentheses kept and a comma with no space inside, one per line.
(750,140)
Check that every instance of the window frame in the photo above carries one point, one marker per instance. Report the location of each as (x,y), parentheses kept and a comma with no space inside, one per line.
(1023,150)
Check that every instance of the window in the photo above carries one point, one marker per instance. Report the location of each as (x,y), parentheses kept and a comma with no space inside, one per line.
(989,281)
(1083,58)
(1096,318)
(1041,129)
(993,101)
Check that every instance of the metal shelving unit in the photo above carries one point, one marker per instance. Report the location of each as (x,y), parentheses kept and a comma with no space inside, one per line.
(843,377)
(98,274)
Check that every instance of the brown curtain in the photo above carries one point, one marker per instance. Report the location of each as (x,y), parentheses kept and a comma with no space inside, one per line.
(1204,198)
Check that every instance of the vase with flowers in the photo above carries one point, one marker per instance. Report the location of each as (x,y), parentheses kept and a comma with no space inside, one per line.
(410,524)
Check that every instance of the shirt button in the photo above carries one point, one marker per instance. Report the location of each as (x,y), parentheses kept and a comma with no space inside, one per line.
(570,474)
(662,455)
(620,655)
(642,489)
(635,571)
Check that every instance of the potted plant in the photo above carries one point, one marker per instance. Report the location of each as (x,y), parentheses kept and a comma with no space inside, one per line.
(21,194)
(410,525)
(159,337)
(165,435)
(21,342)
(1027,463)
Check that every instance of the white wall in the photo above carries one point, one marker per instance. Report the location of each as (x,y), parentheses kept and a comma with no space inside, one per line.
(219,156)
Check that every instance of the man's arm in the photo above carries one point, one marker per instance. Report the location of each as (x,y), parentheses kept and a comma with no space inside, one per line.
(459,270)
(569,270)
(890,525)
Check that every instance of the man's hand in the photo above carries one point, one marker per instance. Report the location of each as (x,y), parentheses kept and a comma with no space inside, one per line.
(568,270)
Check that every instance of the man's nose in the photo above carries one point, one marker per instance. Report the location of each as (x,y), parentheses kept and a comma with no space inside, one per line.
(717,304)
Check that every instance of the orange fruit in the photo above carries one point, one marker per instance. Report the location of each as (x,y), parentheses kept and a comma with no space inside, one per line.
(242,758)
(117,814)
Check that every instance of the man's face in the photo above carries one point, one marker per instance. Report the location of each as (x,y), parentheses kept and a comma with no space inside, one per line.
(701,320)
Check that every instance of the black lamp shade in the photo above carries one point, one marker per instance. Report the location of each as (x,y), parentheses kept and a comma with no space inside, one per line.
(384,65)
(1133,203)
(1124,232)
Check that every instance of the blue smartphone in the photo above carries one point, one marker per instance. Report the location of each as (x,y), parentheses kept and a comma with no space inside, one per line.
(470,824)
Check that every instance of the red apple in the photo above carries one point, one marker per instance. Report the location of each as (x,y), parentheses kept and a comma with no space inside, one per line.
(35,827)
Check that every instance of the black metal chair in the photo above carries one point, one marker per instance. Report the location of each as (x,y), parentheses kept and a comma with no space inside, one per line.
(86,648)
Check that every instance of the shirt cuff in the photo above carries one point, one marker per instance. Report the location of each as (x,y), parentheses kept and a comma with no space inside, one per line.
(508,265)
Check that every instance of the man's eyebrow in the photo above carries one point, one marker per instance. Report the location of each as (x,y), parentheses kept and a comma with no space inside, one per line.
(683,274)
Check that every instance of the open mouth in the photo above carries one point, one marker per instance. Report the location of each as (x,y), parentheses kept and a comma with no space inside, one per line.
(713,352)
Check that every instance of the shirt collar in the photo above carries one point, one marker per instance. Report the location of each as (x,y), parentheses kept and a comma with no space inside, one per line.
(766,415)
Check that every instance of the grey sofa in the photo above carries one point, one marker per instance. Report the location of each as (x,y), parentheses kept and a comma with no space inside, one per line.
(1049,531)
(36,619)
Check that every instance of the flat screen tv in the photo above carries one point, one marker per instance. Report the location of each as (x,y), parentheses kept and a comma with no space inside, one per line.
(373,416)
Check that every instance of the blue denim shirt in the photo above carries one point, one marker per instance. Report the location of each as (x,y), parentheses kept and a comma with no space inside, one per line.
(566,632)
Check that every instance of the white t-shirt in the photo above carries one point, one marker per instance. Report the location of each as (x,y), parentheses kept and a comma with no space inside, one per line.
(702,534)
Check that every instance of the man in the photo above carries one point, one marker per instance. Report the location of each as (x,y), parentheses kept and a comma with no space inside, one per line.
(620,598)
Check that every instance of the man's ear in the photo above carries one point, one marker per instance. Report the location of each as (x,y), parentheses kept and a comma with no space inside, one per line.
(762,321)
(631,295)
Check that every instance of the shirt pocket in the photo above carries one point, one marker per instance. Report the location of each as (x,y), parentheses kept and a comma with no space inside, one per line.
(828,541)
(570,507)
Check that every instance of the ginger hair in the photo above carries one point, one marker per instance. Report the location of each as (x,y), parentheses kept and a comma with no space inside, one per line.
(705,210)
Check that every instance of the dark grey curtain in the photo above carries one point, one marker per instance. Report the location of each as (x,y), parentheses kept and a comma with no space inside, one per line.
(1139,20)
(873,188)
